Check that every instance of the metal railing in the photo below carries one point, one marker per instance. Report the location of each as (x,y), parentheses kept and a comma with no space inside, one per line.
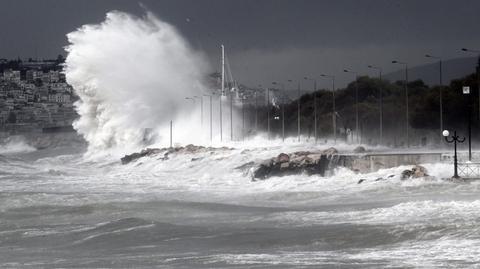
(466,169)
(469,169)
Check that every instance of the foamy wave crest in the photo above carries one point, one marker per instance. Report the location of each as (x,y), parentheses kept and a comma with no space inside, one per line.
(131,73)
(15,144)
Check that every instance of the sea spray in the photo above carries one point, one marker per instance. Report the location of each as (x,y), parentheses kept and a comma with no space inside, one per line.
(132,73)
(15,144)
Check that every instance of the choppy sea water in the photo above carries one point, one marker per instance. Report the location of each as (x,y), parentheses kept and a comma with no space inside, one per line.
(60,209)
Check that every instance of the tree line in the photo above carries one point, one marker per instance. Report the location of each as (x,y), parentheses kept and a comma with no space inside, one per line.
(424,111)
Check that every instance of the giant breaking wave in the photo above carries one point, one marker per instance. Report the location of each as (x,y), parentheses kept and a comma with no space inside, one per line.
(131,74)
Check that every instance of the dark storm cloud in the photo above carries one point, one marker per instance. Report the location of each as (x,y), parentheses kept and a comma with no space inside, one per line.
(266,39)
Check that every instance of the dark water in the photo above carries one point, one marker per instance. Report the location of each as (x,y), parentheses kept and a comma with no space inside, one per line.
(60,210)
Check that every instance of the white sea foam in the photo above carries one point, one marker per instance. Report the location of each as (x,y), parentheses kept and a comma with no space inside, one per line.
(440,253)
(387,223)
(132,73)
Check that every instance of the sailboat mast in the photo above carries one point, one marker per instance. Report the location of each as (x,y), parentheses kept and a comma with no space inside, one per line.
(223,69)
(223,90)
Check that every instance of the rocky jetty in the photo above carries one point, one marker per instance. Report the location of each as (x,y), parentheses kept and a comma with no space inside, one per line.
(137,155)
(308,162)
(165,152)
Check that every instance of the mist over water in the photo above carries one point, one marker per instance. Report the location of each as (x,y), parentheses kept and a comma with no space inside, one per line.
(131,73)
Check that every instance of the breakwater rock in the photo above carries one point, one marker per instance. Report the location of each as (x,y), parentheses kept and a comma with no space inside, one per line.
(165,152)
(308,162)
(417,171)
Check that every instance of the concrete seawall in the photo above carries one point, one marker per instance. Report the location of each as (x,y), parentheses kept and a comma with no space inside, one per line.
(372,162)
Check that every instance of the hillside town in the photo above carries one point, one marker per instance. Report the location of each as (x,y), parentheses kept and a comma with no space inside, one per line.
(34,96)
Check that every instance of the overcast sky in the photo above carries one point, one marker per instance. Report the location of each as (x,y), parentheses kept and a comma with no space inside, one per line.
(267,40)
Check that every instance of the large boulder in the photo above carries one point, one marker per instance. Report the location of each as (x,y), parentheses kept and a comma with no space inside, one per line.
(263,170)
(406,174)
(295,163)
(330,151)
(301,153)
(417,171)
(282,158)
(359,149)
(192,148)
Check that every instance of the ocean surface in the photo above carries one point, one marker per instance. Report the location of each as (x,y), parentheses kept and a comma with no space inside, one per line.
(61,209)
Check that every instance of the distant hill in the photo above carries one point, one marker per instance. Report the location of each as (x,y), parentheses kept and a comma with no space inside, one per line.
(452,69)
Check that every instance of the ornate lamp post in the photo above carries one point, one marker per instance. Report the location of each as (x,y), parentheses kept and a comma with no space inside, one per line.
(454,139)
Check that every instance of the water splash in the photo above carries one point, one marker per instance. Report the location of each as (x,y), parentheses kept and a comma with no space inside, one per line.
(131,73)
(15,144)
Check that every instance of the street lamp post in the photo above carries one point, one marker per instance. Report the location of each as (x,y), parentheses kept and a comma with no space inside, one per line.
(298,109)
(466,93)
(334,113)
(171,134)
(268,113)
(380,100)
(191,99)
(221,116)
(470,104)
(242,98)
(283,115)
(211,116)
(478,74)
(256,108)
(357,130)
(231,113)
(406,97)
(201,110)
(283,109)
(314,107)
(298,106)
(454,139)
(441,86)
(222,92)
